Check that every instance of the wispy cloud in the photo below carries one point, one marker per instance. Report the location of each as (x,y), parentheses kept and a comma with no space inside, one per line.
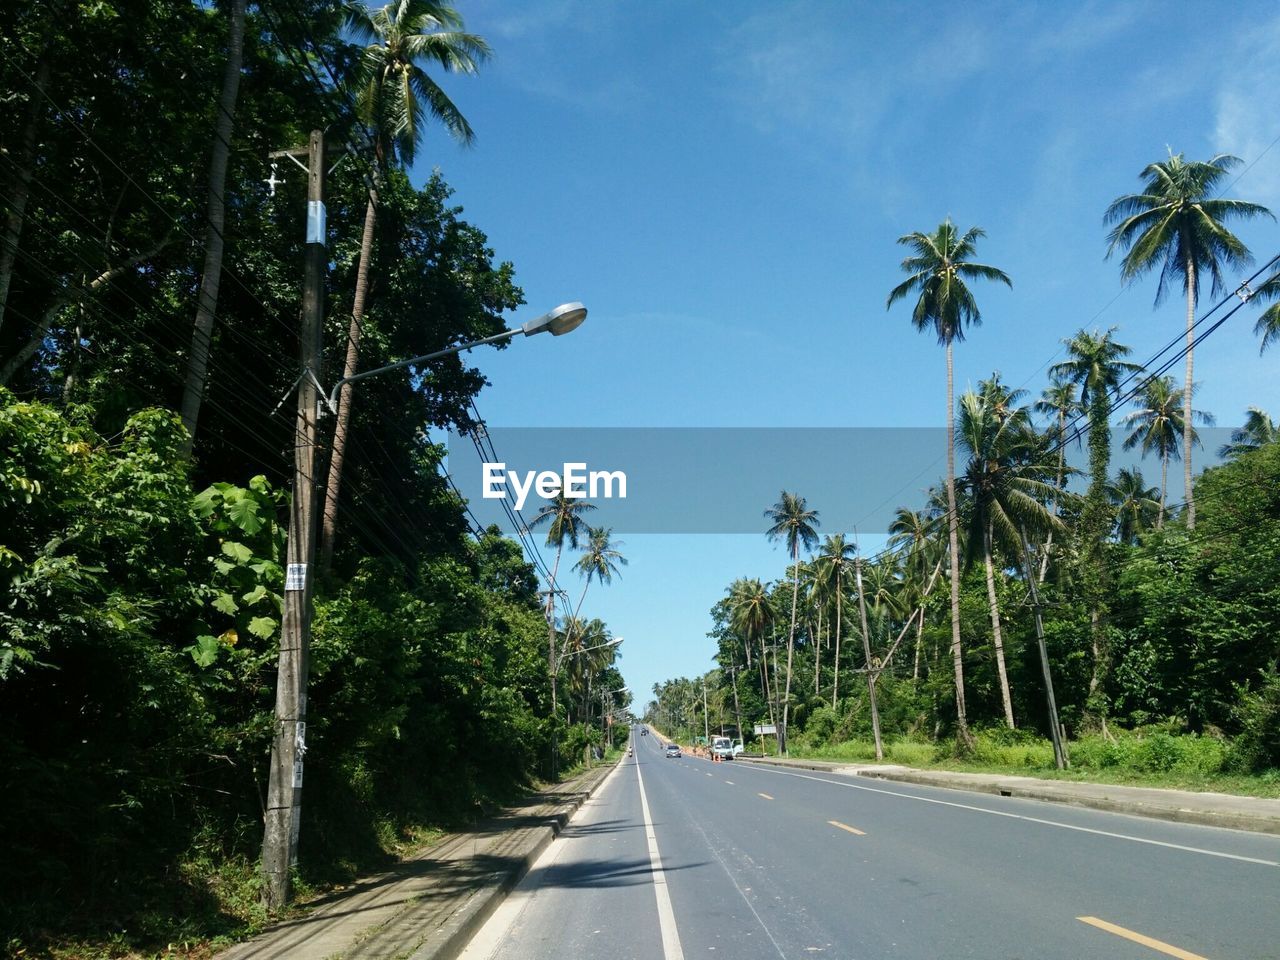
(1247,124)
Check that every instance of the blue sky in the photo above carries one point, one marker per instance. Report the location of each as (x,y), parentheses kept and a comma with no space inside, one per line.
(722,185)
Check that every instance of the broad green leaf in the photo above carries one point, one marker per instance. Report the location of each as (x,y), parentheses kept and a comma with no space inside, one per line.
(254,595)
(237,551)
(263,627)
(223,566)
(206,502)
(225,603)
(244,514)
(205,650)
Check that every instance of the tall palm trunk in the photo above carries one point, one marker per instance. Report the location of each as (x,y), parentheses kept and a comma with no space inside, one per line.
(1164,488)
(953,538)
(1186,394)
(1057,496)
(835,681)
(329,525)
(817,647)
(998,638)
(215,213)
(552,667)
(866,650)
(18,196)
(791,644)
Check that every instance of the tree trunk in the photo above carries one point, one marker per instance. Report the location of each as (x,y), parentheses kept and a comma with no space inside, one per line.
(835,681)
(817,673)
(1186,394)
(1057,496)
(337,456)
(207,304)
(791,644)
(25,164)
(997,636)
(65,297)
(953,537)
(1164,488)
(866,650)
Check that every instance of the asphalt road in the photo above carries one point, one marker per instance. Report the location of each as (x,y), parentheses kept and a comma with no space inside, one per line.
(687,858)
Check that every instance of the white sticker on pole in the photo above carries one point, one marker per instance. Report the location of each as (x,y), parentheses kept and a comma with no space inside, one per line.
(297,774)
(315,221)
(295,577)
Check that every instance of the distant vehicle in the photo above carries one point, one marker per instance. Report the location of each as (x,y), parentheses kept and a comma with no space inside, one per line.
(722,748)
(644,731)
(673,750)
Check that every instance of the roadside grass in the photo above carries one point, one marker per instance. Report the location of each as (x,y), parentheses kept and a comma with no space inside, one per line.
(1142,759)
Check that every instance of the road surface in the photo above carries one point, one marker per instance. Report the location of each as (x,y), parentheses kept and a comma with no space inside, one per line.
(686,858)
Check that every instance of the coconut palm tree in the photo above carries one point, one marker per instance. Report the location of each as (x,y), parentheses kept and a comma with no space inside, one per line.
(832,565)
(751,616)
(1061,401)
(793,522)
(1178,225)
(1004,480)
(1157,425)
(215,214)
(914,534)
(938,268)
(1258,430)
(601,560)
(1268,325)
(563,516)
(1136,507)
(1095,364)
(393,92)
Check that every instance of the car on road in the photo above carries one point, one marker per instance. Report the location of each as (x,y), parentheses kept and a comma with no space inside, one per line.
(644,731)
(722,748)
(673,750)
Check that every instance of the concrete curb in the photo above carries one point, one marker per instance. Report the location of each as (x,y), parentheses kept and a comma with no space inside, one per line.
(450,938)
(1252,814)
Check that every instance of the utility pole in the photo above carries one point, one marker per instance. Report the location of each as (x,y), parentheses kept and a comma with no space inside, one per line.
(706,720)
(284,786)
(1059,750)
(737,710)
(866,649)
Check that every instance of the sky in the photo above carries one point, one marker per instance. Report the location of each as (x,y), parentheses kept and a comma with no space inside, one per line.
(723,185)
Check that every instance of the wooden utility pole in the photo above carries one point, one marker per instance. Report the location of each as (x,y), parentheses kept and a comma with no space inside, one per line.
(1059,751)
(284,787)
(866,649)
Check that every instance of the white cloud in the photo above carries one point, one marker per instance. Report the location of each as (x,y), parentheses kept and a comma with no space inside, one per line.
(1246,123)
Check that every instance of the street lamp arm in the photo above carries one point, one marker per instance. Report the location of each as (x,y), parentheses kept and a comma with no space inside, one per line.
(332,400)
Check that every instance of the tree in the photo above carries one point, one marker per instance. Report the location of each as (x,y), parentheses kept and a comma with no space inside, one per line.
(1178,225)
(1006,491)
(1135,504)
(215,214)
(938,267)
(914,534)
(1258,430)
(1061,401)
(601,560)
(1268,325)
(832,563)
(793,523)
(1157,425)
(392,91)
(1095,363)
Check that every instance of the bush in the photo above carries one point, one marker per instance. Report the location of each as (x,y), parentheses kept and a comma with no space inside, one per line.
(1257,747)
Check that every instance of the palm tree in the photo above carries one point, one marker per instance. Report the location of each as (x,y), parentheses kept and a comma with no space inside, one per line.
(215,214)
(1157,425)
(1176,224)
(601,560)
(914,534)
(833,562)
(1136,507)
(392,91)
(938,267)
(1003,480)
(1268,325)
(564,518)
(1061,401)
(1095,363)
(751,616)
(793,523)
(1257,431)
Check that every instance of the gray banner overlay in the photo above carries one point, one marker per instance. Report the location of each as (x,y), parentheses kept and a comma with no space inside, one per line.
(721,479)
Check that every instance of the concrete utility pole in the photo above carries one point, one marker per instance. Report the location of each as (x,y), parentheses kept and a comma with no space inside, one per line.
(1059,750)
(284,786)
(706,720)
(866,649)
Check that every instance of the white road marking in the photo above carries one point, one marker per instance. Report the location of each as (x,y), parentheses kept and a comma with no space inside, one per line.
(1019,816)
(671,949)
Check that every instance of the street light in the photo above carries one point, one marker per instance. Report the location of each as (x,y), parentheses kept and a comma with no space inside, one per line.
(284,789)
(563,319)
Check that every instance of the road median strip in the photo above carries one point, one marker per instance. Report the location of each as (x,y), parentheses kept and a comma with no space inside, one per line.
(1160,945)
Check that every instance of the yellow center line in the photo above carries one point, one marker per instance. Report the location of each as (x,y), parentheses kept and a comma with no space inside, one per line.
(845,826)
(765,795)
(1146,941)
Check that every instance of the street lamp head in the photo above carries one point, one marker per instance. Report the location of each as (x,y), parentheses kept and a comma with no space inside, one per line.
(561,320)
